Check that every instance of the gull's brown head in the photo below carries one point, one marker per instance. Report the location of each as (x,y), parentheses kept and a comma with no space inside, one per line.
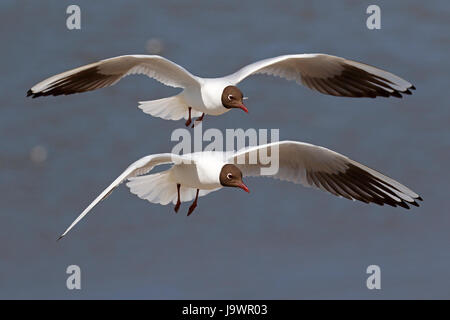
(232,97)
(231,176)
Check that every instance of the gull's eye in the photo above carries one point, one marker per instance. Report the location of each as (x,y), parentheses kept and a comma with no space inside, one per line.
(229,176)
(230,97)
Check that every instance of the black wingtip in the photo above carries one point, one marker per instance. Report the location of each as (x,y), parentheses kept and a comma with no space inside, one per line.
(60,237)
(419,198)
(403,205)
(33,94)
(414,204)
(412,87)
(396,94)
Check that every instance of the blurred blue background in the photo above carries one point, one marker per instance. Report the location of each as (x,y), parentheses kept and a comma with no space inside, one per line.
(284,241)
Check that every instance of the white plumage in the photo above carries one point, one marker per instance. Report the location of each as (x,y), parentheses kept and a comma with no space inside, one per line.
(321,72)
(298,162)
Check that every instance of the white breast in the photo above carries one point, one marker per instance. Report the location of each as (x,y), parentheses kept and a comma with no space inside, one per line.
(203,173)
(211,92)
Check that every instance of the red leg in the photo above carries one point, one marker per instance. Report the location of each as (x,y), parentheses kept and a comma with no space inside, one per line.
(177,206)
(188,122)
(199,119)
(194,204)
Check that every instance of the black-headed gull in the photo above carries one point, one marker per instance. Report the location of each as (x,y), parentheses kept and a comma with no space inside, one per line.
(197,174)
(214,96)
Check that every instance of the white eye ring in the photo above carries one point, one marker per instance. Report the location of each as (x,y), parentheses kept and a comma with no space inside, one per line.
(230,96)
(229,175)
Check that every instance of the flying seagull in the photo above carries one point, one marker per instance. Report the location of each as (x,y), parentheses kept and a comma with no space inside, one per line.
(214,96)
(197,174)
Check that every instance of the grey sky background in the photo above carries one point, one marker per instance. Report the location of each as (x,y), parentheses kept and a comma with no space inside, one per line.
(281,240)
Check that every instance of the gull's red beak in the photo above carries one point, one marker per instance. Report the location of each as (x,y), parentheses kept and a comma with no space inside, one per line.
(244,187)
(243,108)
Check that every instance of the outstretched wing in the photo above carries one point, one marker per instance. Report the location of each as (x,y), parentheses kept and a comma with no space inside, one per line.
(107,72)
(329,75)
(140,167)
(315,166)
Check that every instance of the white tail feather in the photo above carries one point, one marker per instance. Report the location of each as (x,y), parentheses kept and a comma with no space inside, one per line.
(172,108)
(159,188)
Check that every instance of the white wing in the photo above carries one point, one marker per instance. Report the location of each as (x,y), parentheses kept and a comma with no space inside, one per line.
(329,75)
(315,166)
(140,167)
(107,72)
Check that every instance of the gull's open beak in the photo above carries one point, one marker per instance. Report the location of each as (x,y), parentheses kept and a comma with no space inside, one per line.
(244,187)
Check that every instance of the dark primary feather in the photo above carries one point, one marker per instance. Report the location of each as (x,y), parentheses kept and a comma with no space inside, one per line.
(356,183)
(86,80)
(355,82)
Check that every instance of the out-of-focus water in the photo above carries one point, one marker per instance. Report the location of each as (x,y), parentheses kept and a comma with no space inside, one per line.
(282,240)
